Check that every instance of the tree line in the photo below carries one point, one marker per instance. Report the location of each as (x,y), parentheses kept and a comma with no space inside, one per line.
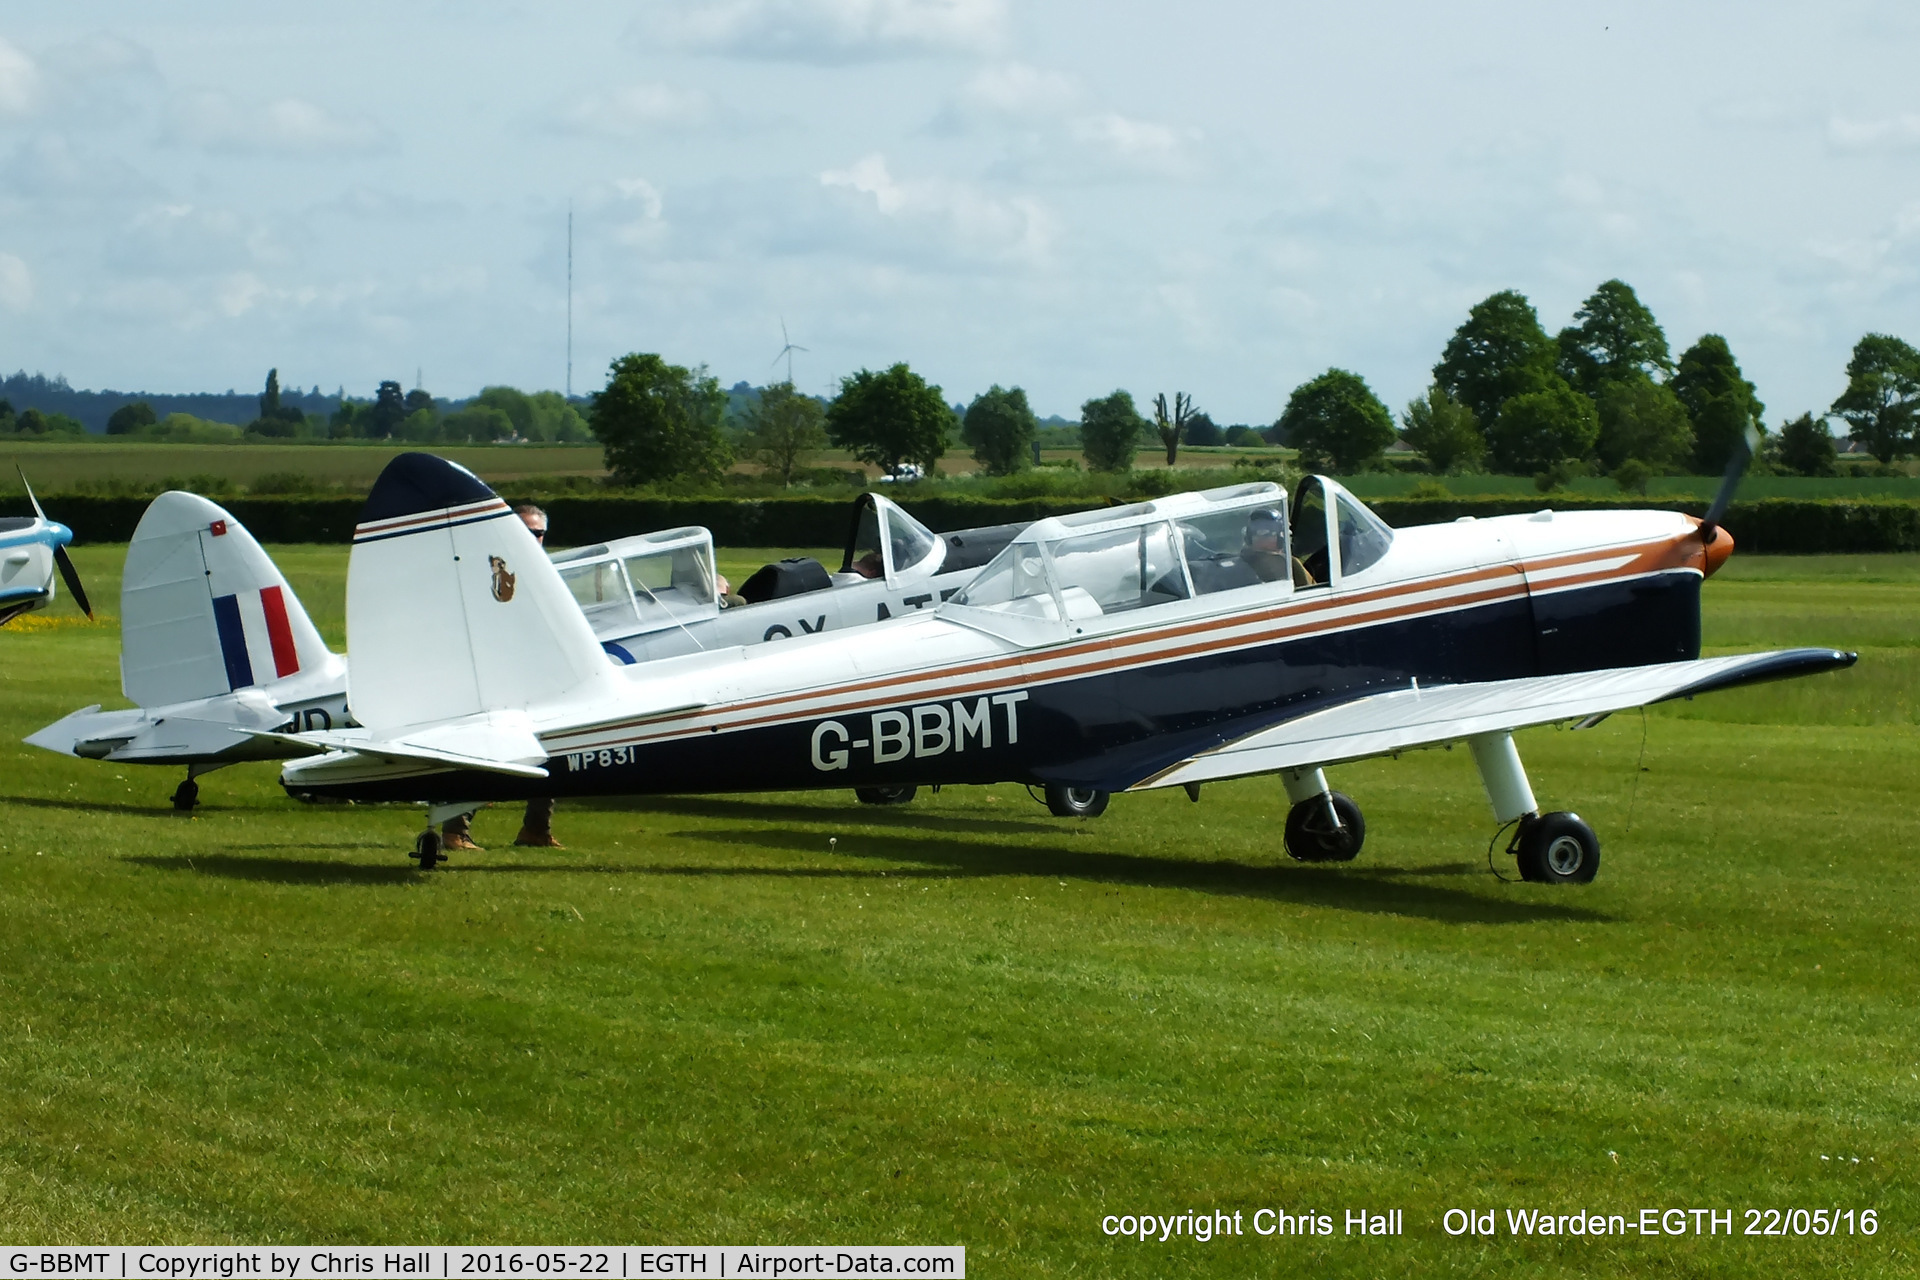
(1604,395)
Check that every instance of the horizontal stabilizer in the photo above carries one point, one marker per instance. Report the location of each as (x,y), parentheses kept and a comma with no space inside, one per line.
(488,746)
(1403,719)
(210,728)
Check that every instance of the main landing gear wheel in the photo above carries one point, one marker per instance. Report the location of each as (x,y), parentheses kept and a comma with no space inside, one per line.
(1557,848)
(1075,802)
(426,848)
(884,795)
(185,796)
(1312,835)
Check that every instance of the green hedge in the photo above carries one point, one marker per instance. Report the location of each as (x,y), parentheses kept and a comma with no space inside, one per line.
(1767,525)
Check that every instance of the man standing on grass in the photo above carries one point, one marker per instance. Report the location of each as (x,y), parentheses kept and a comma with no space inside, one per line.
(536,829)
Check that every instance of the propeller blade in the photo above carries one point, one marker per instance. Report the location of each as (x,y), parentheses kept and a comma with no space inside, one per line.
(1729,484)
(71,577)
(30,498)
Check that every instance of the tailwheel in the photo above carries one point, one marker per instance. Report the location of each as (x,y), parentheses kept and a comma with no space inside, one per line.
(426,849)
(1325,828)
(884,795)
(1557,848)
(1075,802)
(185,796)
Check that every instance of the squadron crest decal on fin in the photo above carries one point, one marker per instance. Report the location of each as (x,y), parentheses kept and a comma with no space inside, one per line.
(502,580)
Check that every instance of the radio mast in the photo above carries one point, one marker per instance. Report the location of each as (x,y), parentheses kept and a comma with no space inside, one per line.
(569,299)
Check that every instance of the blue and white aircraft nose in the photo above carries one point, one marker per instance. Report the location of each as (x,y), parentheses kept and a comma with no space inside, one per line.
(57,534)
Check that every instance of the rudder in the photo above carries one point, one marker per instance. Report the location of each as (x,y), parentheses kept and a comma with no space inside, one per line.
(204,610)
(452,607)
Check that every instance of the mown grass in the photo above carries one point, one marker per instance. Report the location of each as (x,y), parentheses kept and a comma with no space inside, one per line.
(793,1019)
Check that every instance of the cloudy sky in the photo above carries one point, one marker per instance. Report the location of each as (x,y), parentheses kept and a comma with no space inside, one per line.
(1222,198)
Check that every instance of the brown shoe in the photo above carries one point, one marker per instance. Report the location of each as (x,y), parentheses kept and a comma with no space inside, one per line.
(537,840)
(458,841)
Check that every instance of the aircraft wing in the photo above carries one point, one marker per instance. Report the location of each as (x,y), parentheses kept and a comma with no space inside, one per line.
(1401,719)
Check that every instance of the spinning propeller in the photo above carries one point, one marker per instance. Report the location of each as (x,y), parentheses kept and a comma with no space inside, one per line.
(68,574)
(1729,485)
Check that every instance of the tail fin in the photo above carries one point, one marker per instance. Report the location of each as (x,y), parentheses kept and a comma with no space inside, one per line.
(204,611)
(452,608)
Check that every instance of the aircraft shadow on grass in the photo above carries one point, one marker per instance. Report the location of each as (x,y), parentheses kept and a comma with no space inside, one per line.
(296,871)
(91,806)
(733,808)
(950,857)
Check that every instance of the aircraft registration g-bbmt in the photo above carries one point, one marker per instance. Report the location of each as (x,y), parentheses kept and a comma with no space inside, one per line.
(1168,643)
(30,551)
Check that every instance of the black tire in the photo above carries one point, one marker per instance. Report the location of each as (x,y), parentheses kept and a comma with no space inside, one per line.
(885,795)
(1312,837)
(1557,848)
(426,849)
(1075,802)
(185,796)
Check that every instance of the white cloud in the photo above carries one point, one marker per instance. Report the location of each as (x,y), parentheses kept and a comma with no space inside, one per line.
(1140,143)
(829,31)
(1016,89)
(16,283)
(19,81)
(641,192)
(214,121)
(634,110)
(957,215)
(1893,133)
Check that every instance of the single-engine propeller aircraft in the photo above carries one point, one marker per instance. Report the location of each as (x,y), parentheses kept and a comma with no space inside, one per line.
(1167,643)
(30,552)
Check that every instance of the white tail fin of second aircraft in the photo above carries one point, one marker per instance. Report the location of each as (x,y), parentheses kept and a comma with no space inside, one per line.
(452,607)
(204,611)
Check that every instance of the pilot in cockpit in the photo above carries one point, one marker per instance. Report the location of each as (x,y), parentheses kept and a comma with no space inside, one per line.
(1261,550)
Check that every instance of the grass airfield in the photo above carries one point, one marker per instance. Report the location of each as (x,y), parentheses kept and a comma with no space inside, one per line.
(794,1019)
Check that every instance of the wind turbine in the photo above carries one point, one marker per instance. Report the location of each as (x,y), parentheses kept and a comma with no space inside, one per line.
(786,351)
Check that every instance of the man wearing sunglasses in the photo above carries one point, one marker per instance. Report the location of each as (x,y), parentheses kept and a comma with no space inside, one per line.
(536,829)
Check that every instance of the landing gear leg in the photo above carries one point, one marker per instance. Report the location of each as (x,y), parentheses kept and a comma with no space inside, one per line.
(428,848)
(187,794)
(1323,825)
(1552,848)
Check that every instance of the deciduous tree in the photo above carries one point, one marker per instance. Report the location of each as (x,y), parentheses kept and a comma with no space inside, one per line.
(1641,419)
(1000,427)
(1542,429)
(890,417)
(1336,422)
(1110,430)
(129,418)
(1171,426)
(1805,447)
(1882,399)
(388,412)
(1616,339)
(1500,352)
(660,421)
(784,427)
(1444,431)
(1721,403)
